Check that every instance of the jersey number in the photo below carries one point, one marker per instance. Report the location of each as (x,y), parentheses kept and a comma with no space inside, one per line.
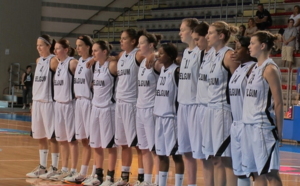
(163,80)
(187,62)
(236,77)
(212,68)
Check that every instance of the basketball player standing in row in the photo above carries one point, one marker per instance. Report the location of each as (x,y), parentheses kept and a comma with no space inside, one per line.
(82,88)
(207,53)
(263,113)
(218,120)
(43,107)
(64,108)
(237,87)
(102,120)
(187,90)
(126,94)
(165,110)
(145,120)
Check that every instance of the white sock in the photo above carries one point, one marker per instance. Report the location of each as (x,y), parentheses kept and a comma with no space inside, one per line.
(156,179)
(192,185)
(64,169)
(73,170)
(93,170)
(55,159)
(84,169)
(125,169)
(148,178)
(243,182)
(140,171)
(178,179)
(163,176)
(43,157)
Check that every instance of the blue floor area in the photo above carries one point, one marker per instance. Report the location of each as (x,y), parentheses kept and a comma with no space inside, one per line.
(14,131)
(290,148)
(15,117)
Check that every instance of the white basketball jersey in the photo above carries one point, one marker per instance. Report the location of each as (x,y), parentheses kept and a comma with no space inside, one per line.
(42,89)
(166,93)
(63,82)
(127,77)
(188,77)
(237,85)
(147,81)
(218,78)
(103,85)
(83,78)
(202,85)
(258,102)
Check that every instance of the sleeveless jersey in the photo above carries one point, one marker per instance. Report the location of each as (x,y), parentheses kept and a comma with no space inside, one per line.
(188,76)
(258,101)
(103,85)
(28,79)
(218,78)
(166,93)
(63,82)
(83,78)
(237,85)
(147,81)
(127,77)
(42,89)
(202,85)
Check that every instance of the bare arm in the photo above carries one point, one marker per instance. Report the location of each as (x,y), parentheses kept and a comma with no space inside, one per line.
(73,65)
(271,74)
(229,63)
(139,58)
(297,23)
(113,67)
(53,64)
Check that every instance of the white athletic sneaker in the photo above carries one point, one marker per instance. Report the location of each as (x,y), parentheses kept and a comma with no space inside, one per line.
(74,177)
(91,181)
(107,182)
(147,184)
(137,183)
(59,175)
(121,183)
(50,172)
(35,173)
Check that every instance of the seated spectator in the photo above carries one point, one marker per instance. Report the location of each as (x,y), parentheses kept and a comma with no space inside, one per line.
(288,39)
(242,30)
(296,17)
(263,18)
(251,28)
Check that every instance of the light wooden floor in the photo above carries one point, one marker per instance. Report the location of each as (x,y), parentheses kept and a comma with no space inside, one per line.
(19,155)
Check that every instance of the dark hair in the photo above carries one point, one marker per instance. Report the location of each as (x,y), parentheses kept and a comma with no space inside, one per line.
(260,4)
(66,44)
(265,37)
(171,50)
(291,20)
(298,7)
(253,21)
(133,34)
(243,26)
(224,28)
(104,45)
(87,41)
(152,38)
(245,42)
(49,41)
(28,66)
(191,22)
(201,29)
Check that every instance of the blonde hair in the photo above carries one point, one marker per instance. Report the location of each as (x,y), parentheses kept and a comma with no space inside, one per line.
(191,22)
(226,29)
